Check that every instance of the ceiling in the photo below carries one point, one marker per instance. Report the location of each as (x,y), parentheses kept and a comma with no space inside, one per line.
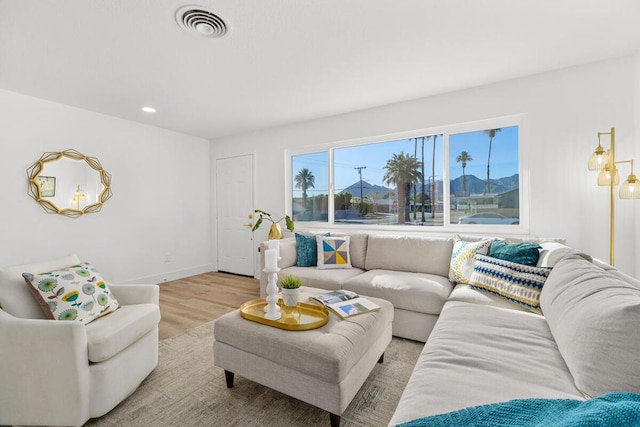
(287,61)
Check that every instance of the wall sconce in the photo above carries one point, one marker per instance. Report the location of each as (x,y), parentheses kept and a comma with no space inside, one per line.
(605,162)
(78,196)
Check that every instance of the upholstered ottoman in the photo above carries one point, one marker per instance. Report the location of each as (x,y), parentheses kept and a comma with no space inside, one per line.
(324,367)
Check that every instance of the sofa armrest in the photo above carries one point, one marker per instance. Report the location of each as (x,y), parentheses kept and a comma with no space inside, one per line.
(129,294)
(45,360)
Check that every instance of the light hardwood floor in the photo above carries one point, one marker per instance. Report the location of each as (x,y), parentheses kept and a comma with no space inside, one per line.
(192,301)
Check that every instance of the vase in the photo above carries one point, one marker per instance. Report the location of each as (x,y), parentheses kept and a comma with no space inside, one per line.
(275,232)
(290,297)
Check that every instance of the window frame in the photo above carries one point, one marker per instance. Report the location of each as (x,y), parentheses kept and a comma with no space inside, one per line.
(446,130)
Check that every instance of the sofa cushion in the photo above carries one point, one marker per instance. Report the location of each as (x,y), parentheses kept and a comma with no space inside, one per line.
(75,293)
(526,253)
(409,253)
(109,335)
(420,292)
(594,317)
(518,283)
(333,252)
(466,293)
(325,279)
(479,354)
(15,297)
(463,258)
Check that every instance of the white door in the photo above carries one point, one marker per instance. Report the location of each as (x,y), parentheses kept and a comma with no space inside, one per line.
(234,202)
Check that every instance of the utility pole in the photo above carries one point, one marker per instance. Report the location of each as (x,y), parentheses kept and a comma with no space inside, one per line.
(359,169)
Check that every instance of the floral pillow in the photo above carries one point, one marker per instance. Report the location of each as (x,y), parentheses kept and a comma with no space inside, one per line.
(74,293)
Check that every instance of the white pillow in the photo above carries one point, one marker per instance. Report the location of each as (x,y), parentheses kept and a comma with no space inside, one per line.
(333,252)
(463,258)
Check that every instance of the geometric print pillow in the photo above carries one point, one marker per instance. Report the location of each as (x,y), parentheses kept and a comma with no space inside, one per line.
(518,283)
(74,293)
(333,252)
(463,258)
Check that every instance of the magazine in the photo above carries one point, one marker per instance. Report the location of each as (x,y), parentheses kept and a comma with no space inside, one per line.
(334,297)
(346,303)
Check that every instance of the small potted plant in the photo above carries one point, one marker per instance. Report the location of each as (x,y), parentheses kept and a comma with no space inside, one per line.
(290,286)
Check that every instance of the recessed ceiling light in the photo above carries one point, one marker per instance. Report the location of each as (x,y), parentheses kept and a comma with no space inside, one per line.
(148,109)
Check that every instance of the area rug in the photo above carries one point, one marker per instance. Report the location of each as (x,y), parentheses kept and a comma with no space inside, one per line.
(186,389)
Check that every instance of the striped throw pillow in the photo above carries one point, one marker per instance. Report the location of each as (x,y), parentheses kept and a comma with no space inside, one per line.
(518,283)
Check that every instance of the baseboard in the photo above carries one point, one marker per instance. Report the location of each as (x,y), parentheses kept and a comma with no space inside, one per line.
(172,275)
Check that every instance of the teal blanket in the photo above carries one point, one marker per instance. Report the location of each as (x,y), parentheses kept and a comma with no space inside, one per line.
(613,409)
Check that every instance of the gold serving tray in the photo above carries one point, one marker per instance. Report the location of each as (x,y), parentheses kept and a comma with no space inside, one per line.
(300,318)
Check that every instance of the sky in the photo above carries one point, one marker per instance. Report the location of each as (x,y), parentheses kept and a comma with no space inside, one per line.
(504,159)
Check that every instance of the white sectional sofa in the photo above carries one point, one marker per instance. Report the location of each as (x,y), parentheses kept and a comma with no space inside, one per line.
(482,349)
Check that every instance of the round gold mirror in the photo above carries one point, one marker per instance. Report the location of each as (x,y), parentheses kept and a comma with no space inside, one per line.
(69,183)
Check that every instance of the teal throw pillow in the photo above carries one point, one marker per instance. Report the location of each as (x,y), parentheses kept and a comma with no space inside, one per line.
(526,253)
(307,250)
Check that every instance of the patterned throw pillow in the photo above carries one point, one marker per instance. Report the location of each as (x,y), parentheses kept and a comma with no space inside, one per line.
(463,258)
(526,253)
(333,252)
(518,283)
(307,250)
(73,293)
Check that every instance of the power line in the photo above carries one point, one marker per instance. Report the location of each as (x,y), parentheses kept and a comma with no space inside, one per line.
(359,169)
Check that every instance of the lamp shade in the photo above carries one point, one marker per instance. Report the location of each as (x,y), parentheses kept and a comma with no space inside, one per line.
(604,177)
(599,159)
(630,189)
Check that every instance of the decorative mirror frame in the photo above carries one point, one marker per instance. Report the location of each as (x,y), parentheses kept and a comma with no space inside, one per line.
(33,189)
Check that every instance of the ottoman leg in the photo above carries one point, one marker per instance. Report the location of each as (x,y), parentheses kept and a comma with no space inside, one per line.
(229,377)
(381,360)
(335,420)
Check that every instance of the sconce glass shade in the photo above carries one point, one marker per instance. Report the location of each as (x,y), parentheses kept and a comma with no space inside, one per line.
(604,177)
(630,189)
(599,159)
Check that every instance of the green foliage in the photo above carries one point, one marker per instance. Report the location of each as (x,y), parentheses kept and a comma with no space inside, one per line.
(262,215)
(289,222)
(290,282)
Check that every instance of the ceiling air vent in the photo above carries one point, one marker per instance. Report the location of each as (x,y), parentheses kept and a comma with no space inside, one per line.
(200,22)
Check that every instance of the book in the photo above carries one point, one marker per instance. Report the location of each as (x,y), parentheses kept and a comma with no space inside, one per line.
(345,303)
(334,297)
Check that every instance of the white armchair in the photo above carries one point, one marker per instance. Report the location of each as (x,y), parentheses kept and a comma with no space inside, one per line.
(64,372)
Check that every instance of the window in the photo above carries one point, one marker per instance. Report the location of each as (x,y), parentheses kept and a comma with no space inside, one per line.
(485,179)
(458,177)
(390,182)
(310,187)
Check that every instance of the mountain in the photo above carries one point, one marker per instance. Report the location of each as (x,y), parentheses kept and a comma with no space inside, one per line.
(475,185)
(367,189)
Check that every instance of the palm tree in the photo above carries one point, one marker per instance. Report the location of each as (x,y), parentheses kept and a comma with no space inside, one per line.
(463,158)
(422,177)
(415,155)
(304,180)
(402,170)
(492,133)
(433,178)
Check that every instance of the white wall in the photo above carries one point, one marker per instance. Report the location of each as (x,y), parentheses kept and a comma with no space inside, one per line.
(636,154)
(565,110)
(161,202)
